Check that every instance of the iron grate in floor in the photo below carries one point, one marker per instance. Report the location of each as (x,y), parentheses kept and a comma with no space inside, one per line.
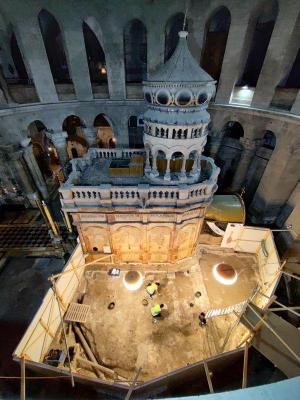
(77,312)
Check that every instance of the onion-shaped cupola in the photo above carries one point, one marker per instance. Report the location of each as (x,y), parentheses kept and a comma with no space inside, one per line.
(175,130)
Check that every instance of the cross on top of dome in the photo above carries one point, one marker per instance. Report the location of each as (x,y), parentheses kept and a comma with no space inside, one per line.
(181,67)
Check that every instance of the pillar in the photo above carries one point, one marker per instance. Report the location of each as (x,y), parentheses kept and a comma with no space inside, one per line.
(59,141)
(77,60)
(25,181)
(147,163)
(154,172)
(115,63)
(249,149)
(182,174)
(215,140)
(280,177)
(33,168)
(282,49)
(33,50)
(91,136)
(155,48)
(238,44)
(167,176)
(296,106)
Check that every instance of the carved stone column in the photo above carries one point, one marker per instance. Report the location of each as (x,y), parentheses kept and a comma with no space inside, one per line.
(182,174)
(147,163)
(59,141)
(154,172)
(249,149)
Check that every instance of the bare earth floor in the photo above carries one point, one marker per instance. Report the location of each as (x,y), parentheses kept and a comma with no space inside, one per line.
(127,337)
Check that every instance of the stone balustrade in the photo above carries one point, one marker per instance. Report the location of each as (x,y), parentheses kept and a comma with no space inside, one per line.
(142,195)
(167,132)
(78,164)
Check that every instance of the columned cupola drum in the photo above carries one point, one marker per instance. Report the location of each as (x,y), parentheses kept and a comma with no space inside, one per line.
(175,130)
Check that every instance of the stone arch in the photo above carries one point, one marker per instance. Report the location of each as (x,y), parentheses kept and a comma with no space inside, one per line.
(104,131)
(54,45)
(135,51)
(177,161)
(173,26)
(215,40)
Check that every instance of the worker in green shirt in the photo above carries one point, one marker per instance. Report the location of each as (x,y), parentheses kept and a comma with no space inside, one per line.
(152,288)
(156,310)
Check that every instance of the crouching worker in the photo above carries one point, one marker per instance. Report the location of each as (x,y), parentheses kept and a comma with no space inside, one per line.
(202,319)
(152,288)
(156,310)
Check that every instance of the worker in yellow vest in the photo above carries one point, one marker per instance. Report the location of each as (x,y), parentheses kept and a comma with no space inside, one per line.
(152,288)
(156,310)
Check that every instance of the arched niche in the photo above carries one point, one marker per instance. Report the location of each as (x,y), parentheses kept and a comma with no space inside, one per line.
(54,46)
(173,26)
(161,162)
(216,34)
(135,132)
(135,51)
(176,162)
(104,132)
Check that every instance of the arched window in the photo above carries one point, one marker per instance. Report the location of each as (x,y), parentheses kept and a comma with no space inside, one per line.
(173,26)
(54,46)
(95,56)
(18,60)
(135,50)
(73,126)
(233,130)
(259,45)
(216,33)
(269,140)
(105,133)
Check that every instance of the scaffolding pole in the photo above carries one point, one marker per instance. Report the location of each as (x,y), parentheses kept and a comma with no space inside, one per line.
(23,379)
(129,393)
(245,366)
(210,385)
(274,333)
(64,331)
